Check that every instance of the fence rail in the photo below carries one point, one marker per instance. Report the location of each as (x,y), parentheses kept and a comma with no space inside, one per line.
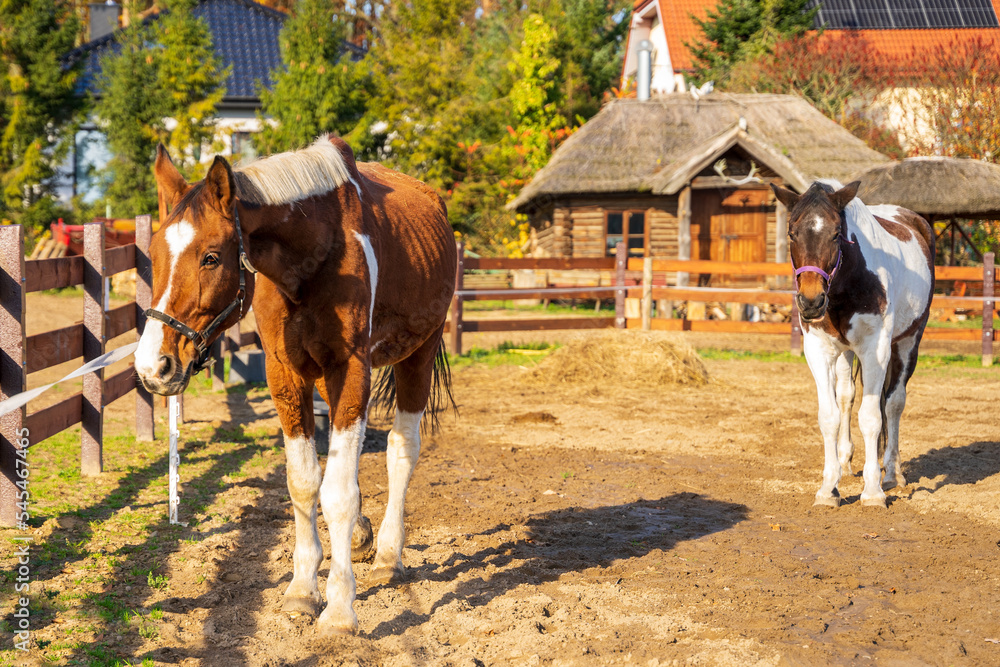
(645,279)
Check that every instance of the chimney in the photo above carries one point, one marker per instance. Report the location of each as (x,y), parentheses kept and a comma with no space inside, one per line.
(103,19)
(644,74)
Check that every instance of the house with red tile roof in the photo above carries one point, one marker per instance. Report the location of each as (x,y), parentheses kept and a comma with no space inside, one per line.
(894,28)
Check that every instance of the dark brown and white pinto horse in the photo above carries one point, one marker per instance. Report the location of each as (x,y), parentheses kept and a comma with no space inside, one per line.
(864,282)
(356,269)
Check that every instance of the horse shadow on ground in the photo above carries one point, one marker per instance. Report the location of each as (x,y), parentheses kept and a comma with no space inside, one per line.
(960,465)
(200,491)
(574,539)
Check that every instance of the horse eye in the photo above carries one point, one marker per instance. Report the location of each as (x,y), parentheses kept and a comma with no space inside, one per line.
(210,261)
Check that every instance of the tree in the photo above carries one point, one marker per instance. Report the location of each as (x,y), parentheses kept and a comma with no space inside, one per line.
(38,107)
(739,30)
(131,111)
(191,78)
(320,89)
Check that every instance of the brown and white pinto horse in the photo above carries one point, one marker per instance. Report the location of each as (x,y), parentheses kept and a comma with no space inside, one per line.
(356,270)
(864,282)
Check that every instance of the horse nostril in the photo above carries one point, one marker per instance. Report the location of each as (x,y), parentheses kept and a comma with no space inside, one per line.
(166,366)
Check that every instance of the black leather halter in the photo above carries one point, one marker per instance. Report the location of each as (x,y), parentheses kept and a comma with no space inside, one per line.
(201,338)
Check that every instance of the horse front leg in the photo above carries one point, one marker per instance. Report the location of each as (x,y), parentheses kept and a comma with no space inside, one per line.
(845,400)
(874,364)
(349,386)
(293,400)
(822,357)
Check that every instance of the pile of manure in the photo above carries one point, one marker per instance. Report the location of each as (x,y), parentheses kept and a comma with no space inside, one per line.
(613,356)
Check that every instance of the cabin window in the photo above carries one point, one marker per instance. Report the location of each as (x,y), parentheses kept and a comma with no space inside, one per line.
(627,226)
(243,146)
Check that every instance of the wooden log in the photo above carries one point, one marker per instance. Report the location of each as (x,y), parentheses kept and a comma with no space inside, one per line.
(722,268)
(456,301)
(551,324)
(647,292)
(118,385)
(538,263)
(621,263)
(121,320)
(54,347)
(716,326)
(13,378)
(94,341)
(119,259)
(56,418)
(683,233)
(989,289)
(971,273)
(144,424)
(46,274)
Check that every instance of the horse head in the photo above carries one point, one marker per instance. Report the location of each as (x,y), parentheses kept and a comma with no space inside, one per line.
(199,275)
(816,230)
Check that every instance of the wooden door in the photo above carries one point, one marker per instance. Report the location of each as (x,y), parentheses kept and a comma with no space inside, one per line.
(731,227)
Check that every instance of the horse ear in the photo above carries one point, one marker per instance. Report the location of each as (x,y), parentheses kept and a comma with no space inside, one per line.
(220,184)
(842,197)
(169,182)
(786,197)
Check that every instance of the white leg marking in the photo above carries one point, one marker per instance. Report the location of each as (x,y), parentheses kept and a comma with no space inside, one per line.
(822,357)
(147,355)
(400,459)
(339,496)
(304,477)
(845,399)
(366,244)
(874,362)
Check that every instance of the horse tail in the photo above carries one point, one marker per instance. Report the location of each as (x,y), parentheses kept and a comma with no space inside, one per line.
(383,395)
(883,436)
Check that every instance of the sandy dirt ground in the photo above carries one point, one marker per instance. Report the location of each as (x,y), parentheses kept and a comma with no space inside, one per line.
(595,525)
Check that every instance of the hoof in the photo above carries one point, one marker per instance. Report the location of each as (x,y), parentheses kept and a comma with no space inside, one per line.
(361,539)
(387,574)
(889,483)
(827,501)
(329,626)
(302,605)
(873,501)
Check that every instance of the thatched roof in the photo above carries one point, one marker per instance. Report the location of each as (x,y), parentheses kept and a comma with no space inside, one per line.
(942,186)
(659,145)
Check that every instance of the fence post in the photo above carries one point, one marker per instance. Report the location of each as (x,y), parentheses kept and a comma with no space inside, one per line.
(13,375)
(219,367)
(647,293)
(94,321)
(144,424)
(621,263)
(684,233)
(796,329)
(456,303)
(989,291)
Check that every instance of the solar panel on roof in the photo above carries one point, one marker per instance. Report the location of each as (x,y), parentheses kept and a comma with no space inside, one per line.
(898,14)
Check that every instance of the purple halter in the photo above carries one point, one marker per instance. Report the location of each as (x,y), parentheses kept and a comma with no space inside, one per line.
(816,269)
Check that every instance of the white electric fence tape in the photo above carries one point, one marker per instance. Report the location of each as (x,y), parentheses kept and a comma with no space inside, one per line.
(15,402)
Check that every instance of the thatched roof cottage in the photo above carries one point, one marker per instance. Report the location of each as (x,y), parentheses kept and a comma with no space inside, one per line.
(650,173)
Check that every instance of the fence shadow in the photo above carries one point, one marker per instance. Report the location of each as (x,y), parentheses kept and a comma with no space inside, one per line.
(569,540)
(960,465)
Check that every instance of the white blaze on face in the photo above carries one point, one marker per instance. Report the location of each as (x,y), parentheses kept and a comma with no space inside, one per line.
(147,356)
(366,244)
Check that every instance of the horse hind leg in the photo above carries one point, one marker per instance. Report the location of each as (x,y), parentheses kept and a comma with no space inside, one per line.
(413,378)
(845,400)
(904,360)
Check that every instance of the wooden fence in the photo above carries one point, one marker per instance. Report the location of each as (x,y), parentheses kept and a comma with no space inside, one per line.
(646,278)
(21,354)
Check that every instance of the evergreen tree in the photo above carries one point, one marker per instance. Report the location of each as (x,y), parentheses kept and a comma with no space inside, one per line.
(131,110)
(320,89)
(191,78)
(38,107)
(739,30)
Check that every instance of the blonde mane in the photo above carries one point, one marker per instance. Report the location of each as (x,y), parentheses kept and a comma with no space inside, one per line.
(290,177)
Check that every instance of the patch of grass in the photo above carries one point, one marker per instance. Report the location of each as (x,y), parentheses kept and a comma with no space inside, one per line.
(159,581)
(970,323)
(555,307)
(717,354)
(503,354)
(567,475)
